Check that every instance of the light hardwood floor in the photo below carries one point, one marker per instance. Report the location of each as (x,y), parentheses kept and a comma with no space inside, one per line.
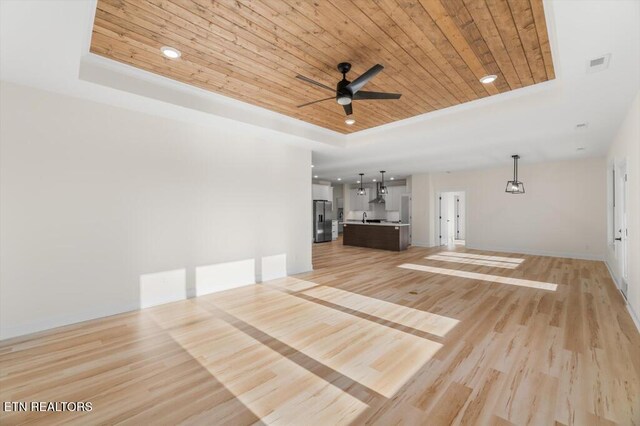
(424,336)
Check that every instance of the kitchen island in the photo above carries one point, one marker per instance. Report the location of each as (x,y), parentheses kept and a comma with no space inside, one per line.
(384,236)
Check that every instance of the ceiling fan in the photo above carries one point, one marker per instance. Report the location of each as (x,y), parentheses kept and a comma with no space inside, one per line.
(347,91)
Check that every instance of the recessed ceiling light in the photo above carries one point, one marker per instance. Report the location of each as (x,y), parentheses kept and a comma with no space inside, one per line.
(374,180)
(315,176)
(170,52)
(350,120)
(488,79)
(357,181)
(339,178)
(391,178)
(312,166)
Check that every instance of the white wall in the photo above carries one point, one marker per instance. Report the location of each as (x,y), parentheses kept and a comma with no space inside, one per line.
(422,210)
(626,145)
(102,207)
(561,214)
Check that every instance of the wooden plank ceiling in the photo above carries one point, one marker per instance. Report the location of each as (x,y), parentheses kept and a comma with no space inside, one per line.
(433,51)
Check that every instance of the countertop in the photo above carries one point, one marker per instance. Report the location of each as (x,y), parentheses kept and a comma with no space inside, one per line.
(374,224)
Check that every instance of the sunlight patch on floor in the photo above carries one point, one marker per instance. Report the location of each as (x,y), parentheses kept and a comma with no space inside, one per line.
(483,257)
(469,261)
(435,324)
(379,357)
(258,376)
(290,284)
(483,277)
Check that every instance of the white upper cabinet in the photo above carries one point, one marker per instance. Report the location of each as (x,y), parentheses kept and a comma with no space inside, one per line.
(322,192)
(353,200)
(394,198)
(361,202)
(358,202)
(364,200)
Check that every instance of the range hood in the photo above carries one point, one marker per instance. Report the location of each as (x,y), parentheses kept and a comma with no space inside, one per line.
(379,198)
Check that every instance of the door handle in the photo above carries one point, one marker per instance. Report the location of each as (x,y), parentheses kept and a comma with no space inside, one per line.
(618,239)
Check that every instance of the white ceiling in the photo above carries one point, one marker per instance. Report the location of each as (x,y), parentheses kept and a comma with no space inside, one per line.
(44,43)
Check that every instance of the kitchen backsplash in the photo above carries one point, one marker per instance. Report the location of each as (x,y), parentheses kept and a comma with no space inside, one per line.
(376,211)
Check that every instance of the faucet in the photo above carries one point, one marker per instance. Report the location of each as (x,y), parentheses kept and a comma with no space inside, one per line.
(364,216)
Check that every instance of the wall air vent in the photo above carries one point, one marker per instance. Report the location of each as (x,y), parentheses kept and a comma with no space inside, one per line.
(598,64)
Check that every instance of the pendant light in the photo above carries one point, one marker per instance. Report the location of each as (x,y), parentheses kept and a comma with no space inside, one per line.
(515,186)
(383,188)
(361,190)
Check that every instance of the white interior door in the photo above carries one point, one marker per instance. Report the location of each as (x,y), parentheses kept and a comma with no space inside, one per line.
(446,218)
(451,218)
(442,219)
(460,216)
(621,233)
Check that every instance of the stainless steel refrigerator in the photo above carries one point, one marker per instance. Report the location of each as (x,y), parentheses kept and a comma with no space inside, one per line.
(321,221)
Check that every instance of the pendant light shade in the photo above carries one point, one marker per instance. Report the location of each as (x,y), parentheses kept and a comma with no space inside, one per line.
(515,186)
(383,188)
(361,190)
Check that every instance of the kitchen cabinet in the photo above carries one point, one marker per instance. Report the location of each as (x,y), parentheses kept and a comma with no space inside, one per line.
(364,200)
(322,192)
(358,202)
(354,201)
(394,198)
(378,236)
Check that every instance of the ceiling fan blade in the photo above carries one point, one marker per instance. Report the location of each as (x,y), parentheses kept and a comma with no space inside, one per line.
(357,84)
(376,95)
(348,109)
(315,102)
(308,80)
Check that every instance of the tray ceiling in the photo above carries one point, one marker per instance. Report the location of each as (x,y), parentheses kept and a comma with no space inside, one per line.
(434,52)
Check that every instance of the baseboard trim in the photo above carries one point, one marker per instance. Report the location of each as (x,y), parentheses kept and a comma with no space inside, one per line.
(613,276)
(36,327)
(42,326)
(420,244)
(634,316)
(580,256)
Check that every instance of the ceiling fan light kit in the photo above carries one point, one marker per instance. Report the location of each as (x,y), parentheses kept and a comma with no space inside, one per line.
(515,186)
(348,91)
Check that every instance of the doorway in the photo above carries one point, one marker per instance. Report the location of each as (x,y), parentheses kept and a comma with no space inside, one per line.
(451,218)
(620,231)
